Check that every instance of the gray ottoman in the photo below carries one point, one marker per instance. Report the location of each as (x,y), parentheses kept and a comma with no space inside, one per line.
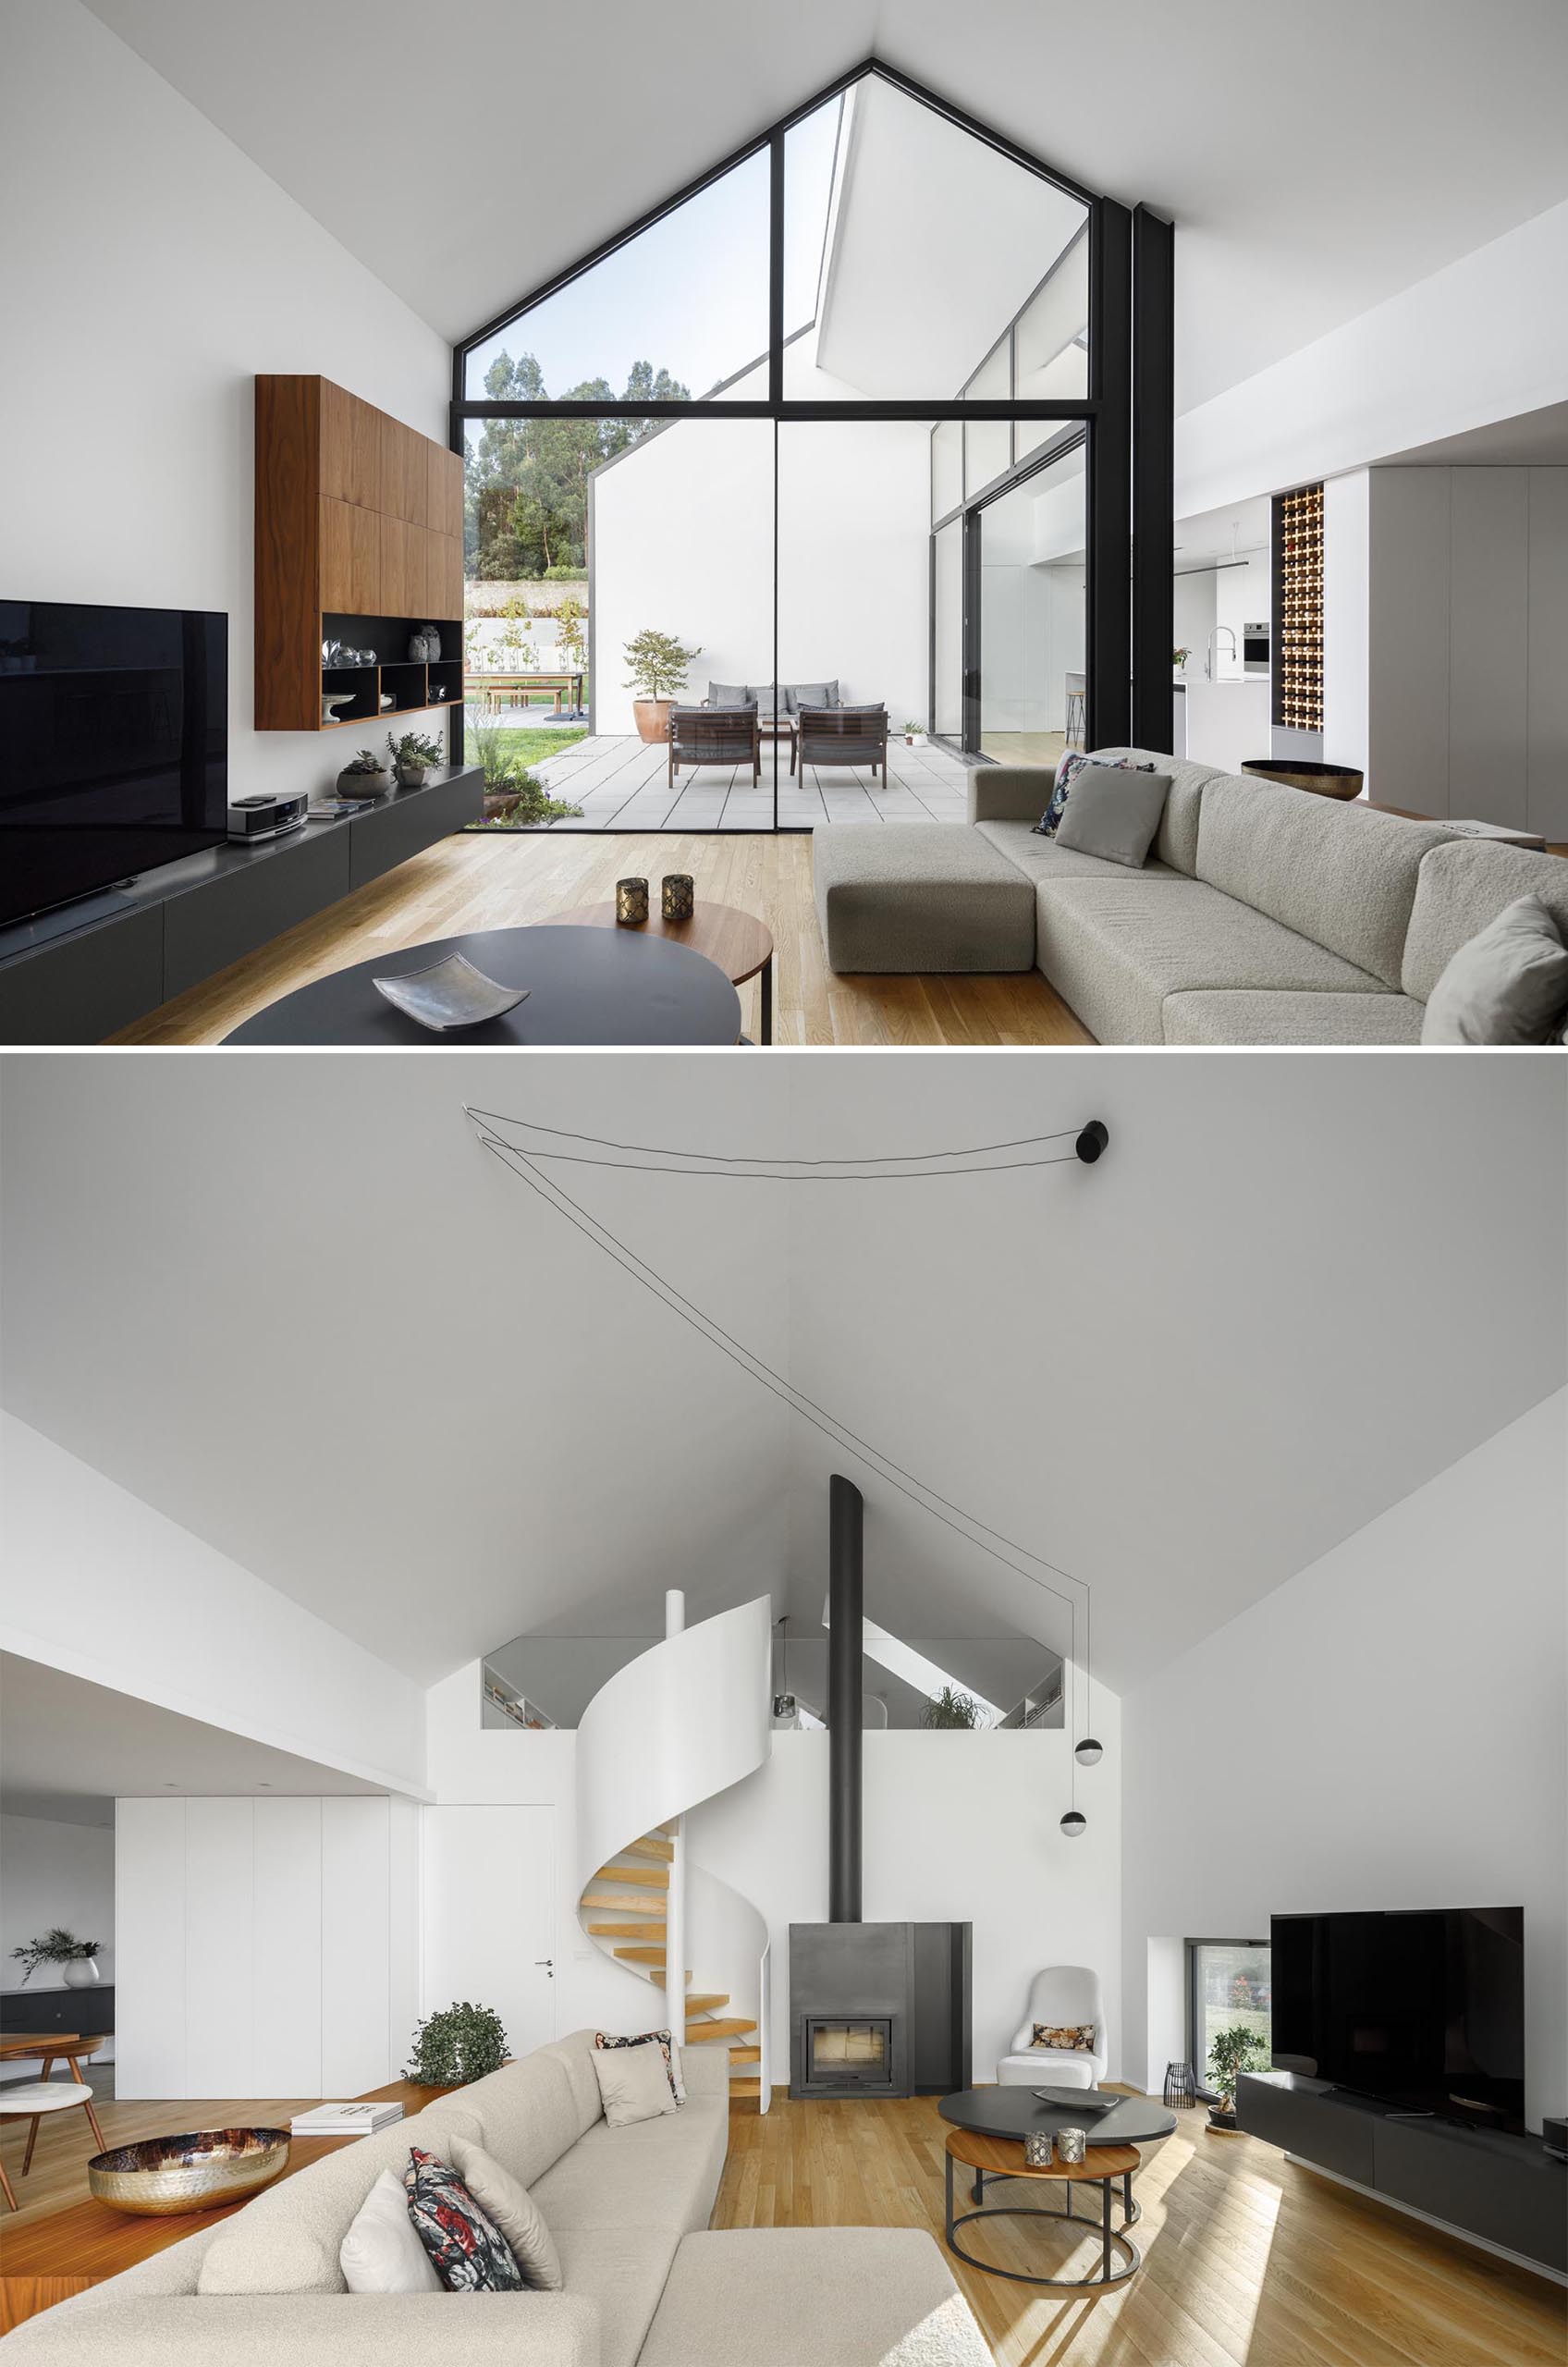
(813,2297)
(920,896)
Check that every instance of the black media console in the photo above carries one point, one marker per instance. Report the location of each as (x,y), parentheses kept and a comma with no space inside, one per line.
(1507,2193)
(175,926)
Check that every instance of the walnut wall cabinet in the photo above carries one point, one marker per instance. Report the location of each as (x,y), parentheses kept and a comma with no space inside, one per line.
(359,539)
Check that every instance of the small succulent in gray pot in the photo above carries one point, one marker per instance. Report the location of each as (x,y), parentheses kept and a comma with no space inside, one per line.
(365,776)
(411,755)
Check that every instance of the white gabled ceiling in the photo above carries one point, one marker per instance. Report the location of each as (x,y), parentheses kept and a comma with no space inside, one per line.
(294,1305)
(1316,162)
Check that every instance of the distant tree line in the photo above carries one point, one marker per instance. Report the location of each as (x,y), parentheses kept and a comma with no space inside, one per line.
(526,512)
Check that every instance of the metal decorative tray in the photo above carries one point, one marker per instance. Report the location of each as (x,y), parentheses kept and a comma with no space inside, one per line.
(449,994)
(194,2172)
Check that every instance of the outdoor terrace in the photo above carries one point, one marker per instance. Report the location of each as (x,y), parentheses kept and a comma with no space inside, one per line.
(621,785)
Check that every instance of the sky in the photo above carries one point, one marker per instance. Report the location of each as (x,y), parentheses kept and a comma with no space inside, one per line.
(690,294)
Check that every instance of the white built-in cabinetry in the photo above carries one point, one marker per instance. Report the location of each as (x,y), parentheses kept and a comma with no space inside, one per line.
(264,1947)
(1445,620)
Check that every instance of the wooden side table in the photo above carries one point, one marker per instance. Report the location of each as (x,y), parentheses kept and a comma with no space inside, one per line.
(737,942)
(1003,2157)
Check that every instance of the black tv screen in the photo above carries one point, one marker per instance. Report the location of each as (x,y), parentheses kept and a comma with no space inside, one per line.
(114,745)
(1424,2010)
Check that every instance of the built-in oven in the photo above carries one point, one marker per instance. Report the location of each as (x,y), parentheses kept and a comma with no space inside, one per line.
(1255,648)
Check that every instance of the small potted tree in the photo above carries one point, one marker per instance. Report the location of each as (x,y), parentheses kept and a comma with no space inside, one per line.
(1234,2051)
(659,665)
(411,755)
(460,2045)
(914,735)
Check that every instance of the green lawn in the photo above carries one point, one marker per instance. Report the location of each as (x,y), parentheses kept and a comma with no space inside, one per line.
(532,747)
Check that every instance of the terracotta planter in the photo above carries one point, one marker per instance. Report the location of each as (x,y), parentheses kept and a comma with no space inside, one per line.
(652,719)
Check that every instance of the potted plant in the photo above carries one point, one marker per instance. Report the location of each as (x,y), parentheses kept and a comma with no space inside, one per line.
(1234,2051)
(366,775)
(914,735)
(951,1707)
(1179,660)
(513,795)
(411,754)
(659,664)
(76,1957)
(461,2045)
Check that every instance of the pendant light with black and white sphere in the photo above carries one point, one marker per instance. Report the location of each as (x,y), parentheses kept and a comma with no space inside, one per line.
(1088,1753)
(1072,1823)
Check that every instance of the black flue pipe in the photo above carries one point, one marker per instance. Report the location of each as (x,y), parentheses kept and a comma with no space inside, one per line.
(846,1519)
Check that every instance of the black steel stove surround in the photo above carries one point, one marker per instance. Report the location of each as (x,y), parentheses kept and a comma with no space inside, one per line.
(876,2009)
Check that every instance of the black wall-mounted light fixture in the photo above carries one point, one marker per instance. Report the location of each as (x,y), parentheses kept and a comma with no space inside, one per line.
(1092,1141)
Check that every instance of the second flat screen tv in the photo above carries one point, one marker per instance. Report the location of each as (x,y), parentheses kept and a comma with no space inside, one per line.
(1424,2010)
(114,745)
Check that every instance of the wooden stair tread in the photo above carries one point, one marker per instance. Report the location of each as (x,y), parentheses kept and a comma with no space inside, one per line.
(625,1931)
(707,2002)
(698,2032)
(745,2087)
(651,1845)
(745,2054)
(654,1877)
(640,1906)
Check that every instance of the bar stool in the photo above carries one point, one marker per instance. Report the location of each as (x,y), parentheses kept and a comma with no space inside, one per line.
(1077,708)
(30,2101)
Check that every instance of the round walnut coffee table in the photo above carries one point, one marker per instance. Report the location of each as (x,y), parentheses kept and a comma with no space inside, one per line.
(1003,2157)
(739,944)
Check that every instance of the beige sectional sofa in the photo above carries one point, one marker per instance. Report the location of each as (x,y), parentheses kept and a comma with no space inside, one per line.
(628,2209)
(1264,915)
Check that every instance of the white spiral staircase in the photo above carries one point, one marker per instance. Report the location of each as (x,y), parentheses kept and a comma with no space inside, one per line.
(682,1722)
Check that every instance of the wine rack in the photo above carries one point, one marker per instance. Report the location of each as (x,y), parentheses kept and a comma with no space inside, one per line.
(1298,608)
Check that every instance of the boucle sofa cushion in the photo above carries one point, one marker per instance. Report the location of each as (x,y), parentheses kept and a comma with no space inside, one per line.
(293,2262)
(1048,859)
(1341,874)
(575,2054)
(1464,885)
(510,2206)
(1239,1017)
(634,2082)
(1114,813)
(920,896)
(1176,840)
(1114,953)
(660,2173)
(527,2114)
(1509,984)
(840,2297)
(300,2329)
(623,2271)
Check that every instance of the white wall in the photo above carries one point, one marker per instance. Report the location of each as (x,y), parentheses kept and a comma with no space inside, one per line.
(1386,1729)
(101,1585)
(1446,616)
(1483,339)
(160,272)
(266,1946)
(958,1827)
(682,539)
(55,1873)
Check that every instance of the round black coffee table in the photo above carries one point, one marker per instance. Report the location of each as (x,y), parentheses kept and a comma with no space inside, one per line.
(1009,2112)
(586,986)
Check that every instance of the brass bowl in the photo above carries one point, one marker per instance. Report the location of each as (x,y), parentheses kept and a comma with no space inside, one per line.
(196,2172)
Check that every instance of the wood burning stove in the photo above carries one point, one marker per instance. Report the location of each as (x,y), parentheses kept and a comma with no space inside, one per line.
(850,2054)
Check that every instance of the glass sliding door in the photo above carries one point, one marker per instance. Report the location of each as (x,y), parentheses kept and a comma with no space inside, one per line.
(947,633)
(1031,624)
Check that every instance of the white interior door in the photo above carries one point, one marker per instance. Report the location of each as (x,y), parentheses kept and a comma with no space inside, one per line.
(489,1916)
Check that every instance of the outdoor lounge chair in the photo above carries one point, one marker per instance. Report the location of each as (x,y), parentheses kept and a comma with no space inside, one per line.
(715,735)
(844,735)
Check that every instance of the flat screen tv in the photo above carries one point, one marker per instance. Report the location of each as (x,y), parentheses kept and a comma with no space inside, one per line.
(1424,2010)
(114,745)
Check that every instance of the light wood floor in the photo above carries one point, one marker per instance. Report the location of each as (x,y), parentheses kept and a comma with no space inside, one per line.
(1248,2262)
(476,882)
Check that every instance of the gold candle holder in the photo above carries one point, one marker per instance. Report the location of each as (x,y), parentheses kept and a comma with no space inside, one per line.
(678,901)
(1071,2144)
(631,903)
(1037,2148)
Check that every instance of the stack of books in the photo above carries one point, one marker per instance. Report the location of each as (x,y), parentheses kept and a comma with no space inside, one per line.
(345,2120)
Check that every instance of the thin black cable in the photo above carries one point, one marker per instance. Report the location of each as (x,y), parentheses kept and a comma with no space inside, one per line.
(748,1158)
(830,1426)
(714,1325)
(777,1175)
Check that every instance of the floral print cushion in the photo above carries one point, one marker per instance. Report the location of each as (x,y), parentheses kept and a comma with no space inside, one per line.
(467,2250)
(1077,2039)
(661,2039)
(1066,772)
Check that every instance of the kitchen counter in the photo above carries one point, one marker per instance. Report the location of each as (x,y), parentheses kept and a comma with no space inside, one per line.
(1227,721)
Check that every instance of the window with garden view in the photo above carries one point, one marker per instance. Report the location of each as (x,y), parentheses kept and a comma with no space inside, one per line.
(1228,1987)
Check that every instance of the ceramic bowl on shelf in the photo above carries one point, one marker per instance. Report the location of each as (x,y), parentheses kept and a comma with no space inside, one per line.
(194,2172)
(332,700)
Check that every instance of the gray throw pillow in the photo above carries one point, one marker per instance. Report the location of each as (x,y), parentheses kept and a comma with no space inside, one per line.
(765,696)
(800,695)
(1113,814)
(730,694)
(1507,985)
(875,707)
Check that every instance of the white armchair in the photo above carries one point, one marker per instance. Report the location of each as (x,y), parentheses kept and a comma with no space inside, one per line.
(1065,1996)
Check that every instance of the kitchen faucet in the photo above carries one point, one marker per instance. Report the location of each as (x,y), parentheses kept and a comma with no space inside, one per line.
(1213,637)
